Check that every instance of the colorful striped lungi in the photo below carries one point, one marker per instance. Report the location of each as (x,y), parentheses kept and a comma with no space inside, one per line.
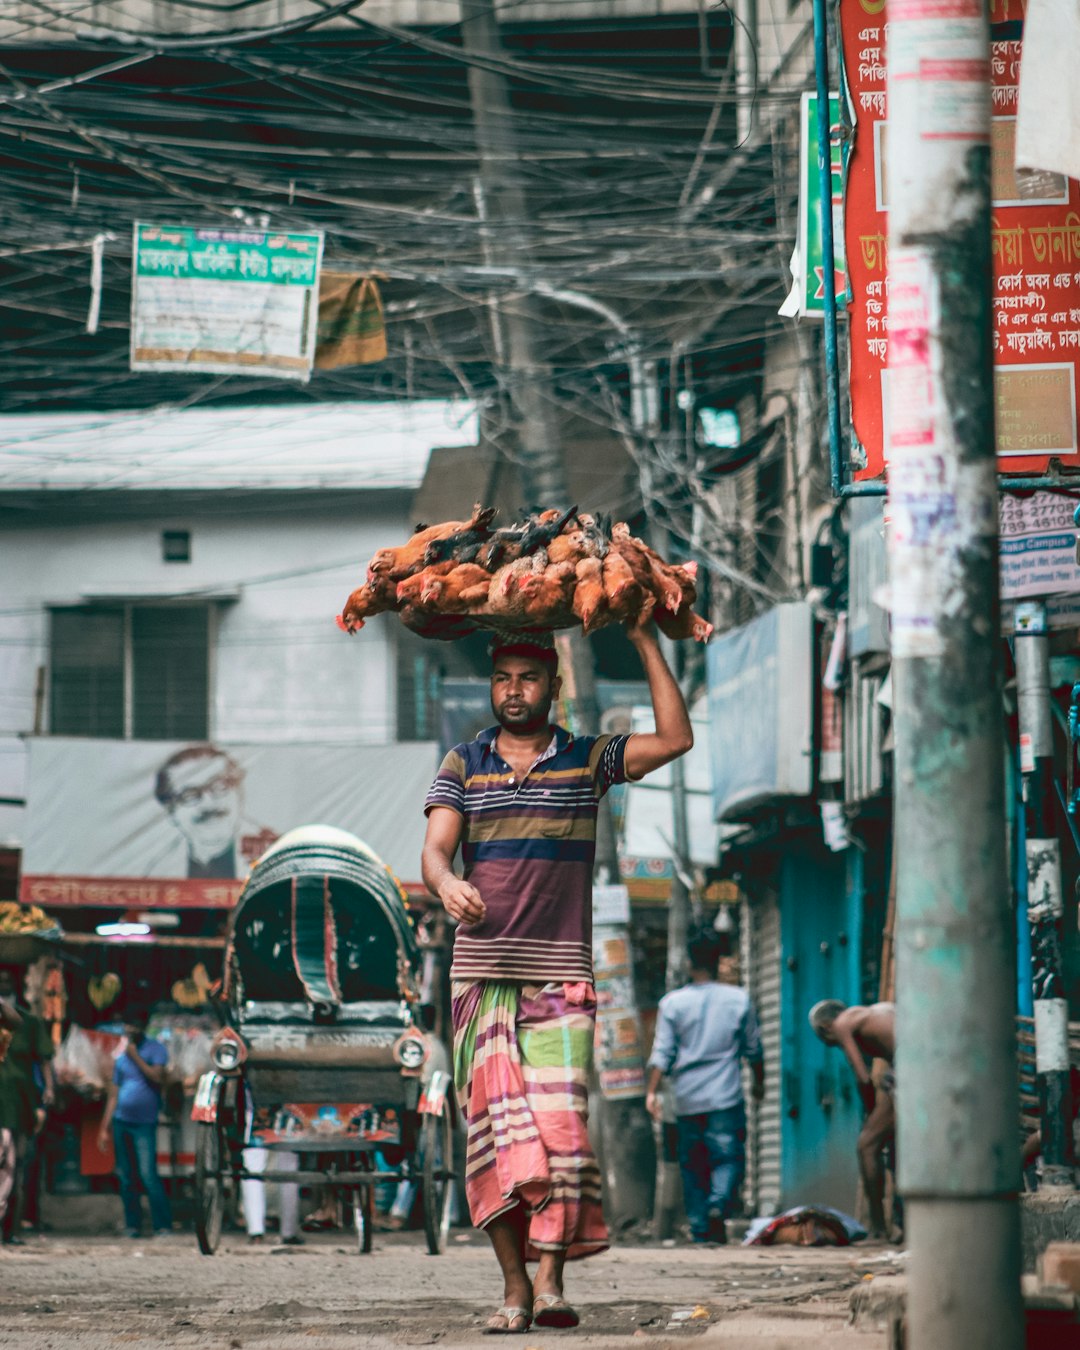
(522,1055)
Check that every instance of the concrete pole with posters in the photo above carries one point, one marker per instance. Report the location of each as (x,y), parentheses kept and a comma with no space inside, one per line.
(956,1038)
(1042,850)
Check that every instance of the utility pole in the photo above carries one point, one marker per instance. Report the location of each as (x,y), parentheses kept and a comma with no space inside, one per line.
(624,1128)
(1045,905)
(956,1037)
(519,327)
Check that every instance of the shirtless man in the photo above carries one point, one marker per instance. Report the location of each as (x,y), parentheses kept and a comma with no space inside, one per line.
(866,1034)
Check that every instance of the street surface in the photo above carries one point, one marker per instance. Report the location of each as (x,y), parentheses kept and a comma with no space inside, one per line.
(92,1292)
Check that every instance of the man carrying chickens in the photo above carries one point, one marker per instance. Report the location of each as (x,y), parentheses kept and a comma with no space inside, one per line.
(521,801)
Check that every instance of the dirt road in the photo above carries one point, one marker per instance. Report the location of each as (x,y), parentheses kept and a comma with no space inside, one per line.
(98,1293)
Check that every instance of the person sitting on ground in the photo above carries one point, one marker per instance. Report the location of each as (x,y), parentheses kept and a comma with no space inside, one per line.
(131,1110)
(702,1032)
(865,1034)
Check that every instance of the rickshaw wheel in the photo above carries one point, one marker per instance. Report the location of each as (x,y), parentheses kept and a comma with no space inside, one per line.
(364,1217)
(209,1186)
(437,1143)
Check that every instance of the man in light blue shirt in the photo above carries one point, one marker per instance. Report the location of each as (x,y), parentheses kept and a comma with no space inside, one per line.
(703,1032)
(132,1107)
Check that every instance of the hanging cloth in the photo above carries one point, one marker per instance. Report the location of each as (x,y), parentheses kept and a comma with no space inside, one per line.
(314,939)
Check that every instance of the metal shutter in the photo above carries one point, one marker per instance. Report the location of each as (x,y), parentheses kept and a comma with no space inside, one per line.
(761,961)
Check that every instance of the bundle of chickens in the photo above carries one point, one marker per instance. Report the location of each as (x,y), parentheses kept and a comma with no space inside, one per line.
(552,570)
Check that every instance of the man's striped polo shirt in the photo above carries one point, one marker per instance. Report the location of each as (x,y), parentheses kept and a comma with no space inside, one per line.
(527,846)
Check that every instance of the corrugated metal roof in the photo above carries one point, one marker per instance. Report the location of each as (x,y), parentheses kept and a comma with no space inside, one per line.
(322,445)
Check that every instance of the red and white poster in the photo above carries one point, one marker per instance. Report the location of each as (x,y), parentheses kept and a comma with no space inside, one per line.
(1035,244)
(161,824)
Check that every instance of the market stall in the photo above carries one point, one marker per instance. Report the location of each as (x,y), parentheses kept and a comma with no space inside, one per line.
(79,983)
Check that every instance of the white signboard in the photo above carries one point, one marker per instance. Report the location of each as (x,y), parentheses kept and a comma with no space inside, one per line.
(224,301)
(1038,545)
(610,904)
(137,824)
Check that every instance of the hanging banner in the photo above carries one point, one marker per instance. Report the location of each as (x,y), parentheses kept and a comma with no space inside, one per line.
(808,263)
(228,302)
(145,824)
(1036,257)
(352,329)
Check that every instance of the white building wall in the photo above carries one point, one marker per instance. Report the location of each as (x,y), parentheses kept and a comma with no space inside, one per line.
(280,669)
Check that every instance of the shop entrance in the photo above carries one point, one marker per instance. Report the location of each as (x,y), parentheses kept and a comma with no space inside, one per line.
(821,942)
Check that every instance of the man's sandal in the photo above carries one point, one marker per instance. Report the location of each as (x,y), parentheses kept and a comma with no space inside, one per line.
(508,1316)
(552,1310)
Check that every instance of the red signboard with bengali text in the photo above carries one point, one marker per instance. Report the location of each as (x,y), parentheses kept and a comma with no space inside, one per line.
(1036,259)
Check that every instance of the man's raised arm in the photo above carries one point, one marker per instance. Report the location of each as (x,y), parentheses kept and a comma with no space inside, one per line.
(649,750)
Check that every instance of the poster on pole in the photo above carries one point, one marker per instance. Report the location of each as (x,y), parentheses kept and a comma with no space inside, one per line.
(807,295)
(223,301)
(618,1042)
(1035,237)
(1038,545)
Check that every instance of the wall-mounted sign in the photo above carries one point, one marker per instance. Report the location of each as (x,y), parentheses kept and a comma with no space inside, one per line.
(1035,234)
(225,301)
(808,263)
(761,711)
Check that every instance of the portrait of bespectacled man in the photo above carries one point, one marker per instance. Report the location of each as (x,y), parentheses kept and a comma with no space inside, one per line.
(201,788)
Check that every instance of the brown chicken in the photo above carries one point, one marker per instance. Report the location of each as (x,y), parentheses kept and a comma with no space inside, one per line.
(506,600)
(590,602)
(463,590)
(624,594)
(365,601)
(548,596)
(408,558)
(685,575)
(597,534)
(650,570)
(568,547)
(685,624)
(411,588)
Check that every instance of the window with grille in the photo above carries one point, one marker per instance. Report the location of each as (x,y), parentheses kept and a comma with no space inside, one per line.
(130,671)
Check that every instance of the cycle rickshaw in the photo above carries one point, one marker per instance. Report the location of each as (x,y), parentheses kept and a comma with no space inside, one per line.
(324,1030)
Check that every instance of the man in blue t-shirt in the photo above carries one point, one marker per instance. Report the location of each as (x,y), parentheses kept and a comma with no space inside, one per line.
(703,1033)
(132,1111)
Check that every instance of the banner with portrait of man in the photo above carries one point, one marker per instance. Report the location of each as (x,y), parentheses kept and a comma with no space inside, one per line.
(139,824)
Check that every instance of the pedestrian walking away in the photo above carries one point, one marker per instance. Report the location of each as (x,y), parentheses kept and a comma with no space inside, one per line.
(703,1033)
(521,802)
(865,1034)
(23,1099)
(131,1111)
